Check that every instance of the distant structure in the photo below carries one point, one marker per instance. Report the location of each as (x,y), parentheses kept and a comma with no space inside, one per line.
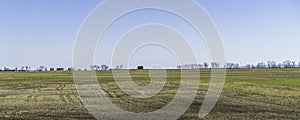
(140,67)
(70,69)
(51,69)
(60,69)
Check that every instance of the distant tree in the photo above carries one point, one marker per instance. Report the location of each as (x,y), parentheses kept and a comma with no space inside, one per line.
(261,65)
(104,67)
(27,68)
(215,65)
(119,67)
(178,66)
(200,66)
(271,64)
(70,69)
(182,66)
(22,68)
(192,66)
(186,66)
(293,64)
(287,64)
(6,69)
(95,67)
(230,65)
(16,69)
(205,65)
(189,66)
(92,67)
(279,65)
(227,65)
(196,66)
(41,68)
(248,66)
(236,65)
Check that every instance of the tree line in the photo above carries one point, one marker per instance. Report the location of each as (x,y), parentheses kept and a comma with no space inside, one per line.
(28,68)
(205,65)
(268,64)
(44,68)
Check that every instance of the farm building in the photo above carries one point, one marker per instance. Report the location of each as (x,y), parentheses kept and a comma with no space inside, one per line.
(140,67)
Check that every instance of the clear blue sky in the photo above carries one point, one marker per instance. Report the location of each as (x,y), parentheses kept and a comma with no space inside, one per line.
(43,32)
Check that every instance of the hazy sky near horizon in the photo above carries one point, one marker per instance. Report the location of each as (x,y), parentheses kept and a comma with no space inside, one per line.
(43,32)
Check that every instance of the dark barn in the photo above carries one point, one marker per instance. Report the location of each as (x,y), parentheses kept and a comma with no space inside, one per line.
(140,67)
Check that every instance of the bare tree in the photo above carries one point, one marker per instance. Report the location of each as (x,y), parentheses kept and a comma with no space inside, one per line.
(293,64)
(27,68)
(6,69)
(22,68)
(104,67)
(236,65)
(41,68)
(205,65)
(215,65)
(95,67)
(287,64)
(200,66)
(92,67)
(119,67)
(271,64)
(230,65)
(261,65)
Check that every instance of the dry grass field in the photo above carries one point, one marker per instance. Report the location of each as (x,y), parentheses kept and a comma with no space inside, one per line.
(247,94)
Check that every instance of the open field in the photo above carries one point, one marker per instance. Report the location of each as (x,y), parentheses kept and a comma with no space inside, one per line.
(247,94)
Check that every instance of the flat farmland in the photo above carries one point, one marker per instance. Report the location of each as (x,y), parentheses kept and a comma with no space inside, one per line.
(247,94)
